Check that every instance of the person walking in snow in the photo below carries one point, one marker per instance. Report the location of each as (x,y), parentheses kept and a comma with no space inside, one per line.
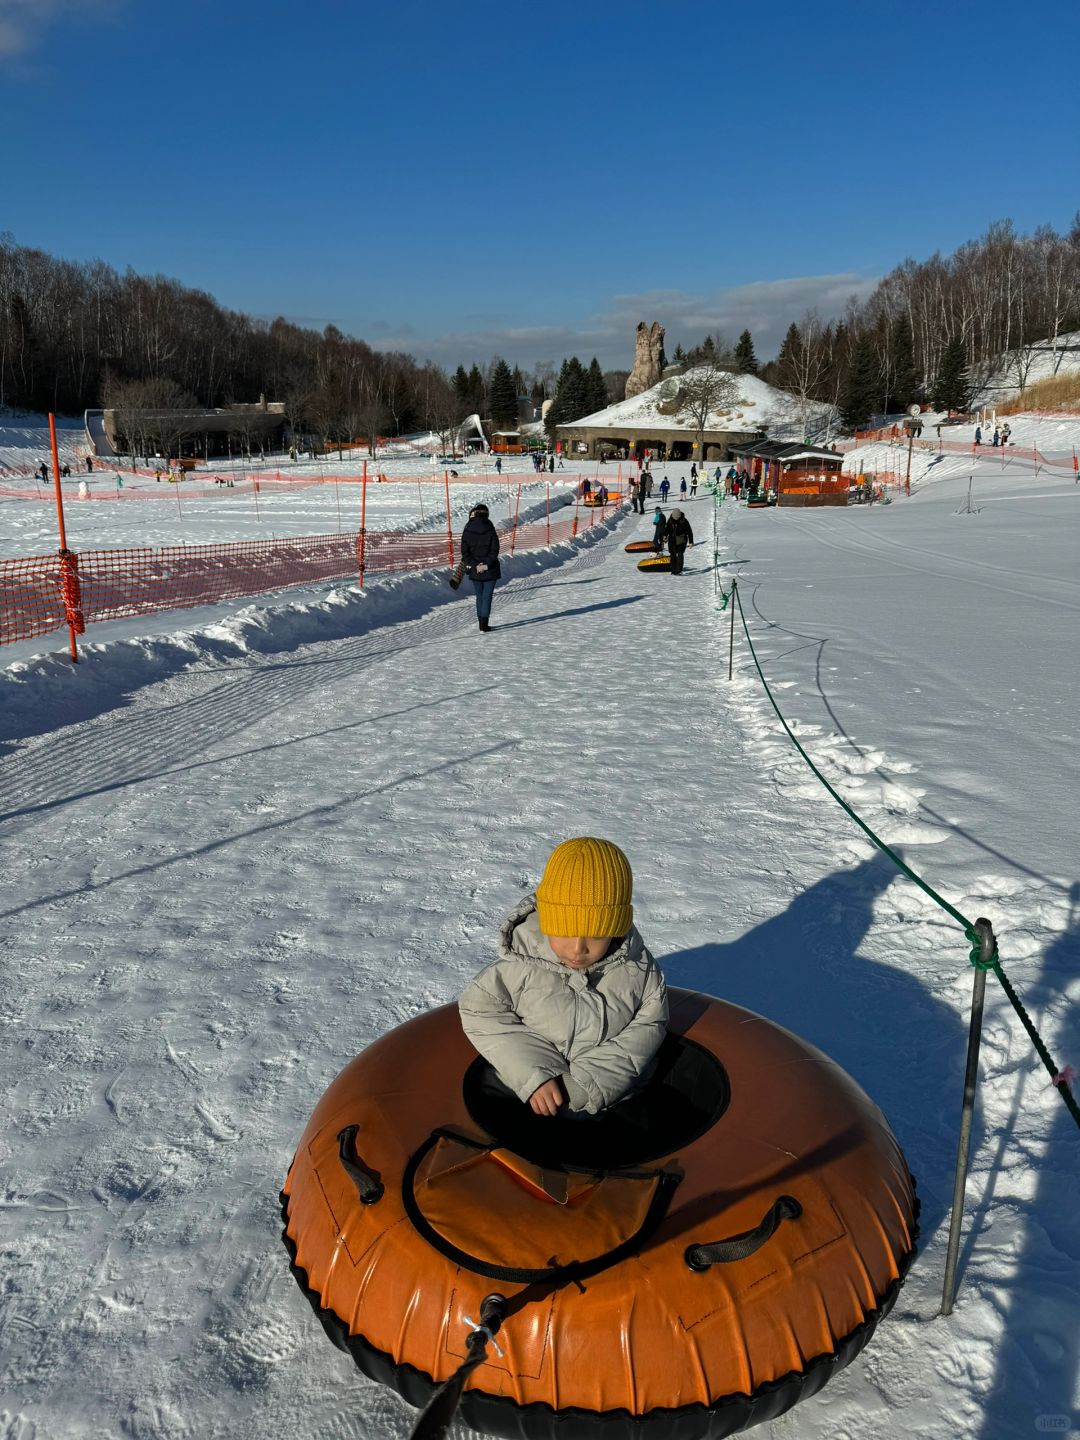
(678,536)
(665,486)
(682,486)
(498,464)
(479,551)
(693,486)
(996,438)
(648,486)
(89,464)
(659,527)
(1006,431)
(978,436)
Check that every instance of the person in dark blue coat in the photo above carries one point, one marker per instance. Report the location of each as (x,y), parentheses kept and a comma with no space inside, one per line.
(480,556)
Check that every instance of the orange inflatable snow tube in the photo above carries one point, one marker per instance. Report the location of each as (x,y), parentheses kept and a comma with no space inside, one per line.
(682,1267)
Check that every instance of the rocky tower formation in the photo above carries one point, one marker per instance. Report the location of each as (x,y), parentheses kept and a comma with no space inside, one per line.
(649,358)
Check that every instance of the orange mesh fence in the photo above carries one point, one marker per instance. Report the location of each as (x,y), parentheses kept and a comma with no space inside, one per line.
(41,594)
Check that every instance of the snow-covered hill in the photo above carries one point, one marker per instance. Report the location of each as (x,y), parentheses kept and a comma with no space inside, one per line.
(759,406)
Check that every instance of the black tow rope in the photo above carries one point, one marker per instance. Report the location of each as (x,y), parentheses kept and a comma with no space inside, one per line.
(438,1414)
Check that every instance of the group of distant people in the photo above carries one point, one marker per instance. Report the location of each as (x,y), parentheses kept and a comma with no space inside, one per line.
(1001,435)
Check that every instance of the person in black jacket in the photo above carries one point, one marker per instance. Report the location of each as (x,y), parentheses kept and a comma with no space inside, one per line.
(679,535)
(480,556)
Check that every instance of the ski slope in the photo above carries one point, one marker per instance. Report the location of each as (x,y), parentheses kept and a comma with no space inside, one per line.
(238,852)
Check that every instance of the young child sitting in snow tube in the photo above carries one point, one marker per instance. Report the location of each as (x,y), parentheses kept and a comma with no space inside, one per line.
(572,1014)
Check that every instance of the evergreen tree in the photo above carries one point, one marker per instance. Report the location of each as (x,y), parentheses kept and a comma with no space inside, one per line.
(789,346)
(679,357)
(596,389)
(572,396)
(555,412)
(952,385)
(905,376)
(476,389)
(745,359)
(861,394)
(502,396)
(461,384)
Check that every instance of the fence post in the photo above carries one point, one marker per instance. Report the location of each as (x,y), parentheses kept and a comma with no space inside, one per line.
(577,502)
(547,508)
(449,526)
(69,582)
(731,642)
(986,956)
(363,524)
(517,511)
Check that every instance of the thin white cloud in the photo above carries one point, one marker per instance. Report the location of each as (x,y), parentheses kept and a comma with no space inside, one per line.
(24,22)
(765,307)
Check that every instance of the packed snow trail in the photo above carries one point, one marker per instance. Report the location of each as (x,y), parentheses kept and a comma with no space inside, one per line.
(220,893)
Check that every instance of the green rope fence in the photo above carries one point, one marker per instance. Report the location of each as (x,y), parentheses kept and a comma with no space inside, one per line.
(1058,1078)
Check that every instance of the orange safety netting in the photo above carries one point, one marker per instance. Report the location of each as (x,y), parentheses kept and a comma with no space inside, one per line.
(41,594)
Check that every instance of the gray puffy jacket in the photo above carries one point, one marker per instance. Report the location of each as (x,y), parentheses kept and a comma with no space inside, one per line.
(535,1019)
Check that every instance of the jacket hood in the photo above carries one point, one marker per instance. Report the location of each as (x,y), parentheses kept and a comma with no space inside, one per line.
(520,938)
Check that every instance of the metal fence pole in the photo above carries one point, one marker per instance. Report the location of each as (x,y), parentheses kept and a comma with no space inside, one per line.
(987,953)
(731,642)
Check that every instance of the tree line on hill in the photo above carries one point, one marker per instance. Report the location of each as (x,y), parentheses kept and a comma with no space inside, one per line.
(937,330)
(75,335)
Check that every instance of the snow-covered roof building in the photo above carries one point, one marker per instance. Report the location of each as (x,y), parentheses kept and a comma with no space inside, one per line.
(658,421)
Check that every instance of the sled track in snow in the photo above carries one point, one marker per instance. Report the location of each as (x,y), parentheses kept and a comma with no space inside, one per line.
(864,546)
(62,766)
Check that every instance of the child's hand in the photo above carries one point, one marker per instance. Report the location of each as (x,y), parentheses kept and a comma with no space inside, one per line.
(546,1099)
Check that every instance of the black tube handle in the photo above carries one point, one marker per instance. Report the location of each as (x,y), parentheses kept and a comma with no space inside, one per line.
(367,1187)
(738,1247)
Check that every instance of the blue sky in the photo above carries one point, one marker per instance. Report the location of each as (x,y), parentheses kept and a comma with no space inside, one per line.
(456,180)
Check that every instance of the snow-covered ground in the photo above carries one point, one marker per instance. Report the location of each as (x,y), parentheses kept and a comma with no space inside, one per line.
(238,854)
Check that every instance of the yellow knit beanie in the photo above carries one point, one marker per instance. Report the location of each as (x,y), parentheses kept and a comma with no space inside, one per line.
(586,890)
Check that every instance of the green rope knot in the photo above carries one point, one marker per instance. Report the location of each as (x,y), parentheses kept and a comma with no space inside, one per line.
(975,940)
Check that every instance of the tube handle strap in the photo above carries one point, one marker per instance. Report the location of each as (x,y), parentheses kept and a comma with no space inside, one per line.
(738,1247)
(367,1187)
